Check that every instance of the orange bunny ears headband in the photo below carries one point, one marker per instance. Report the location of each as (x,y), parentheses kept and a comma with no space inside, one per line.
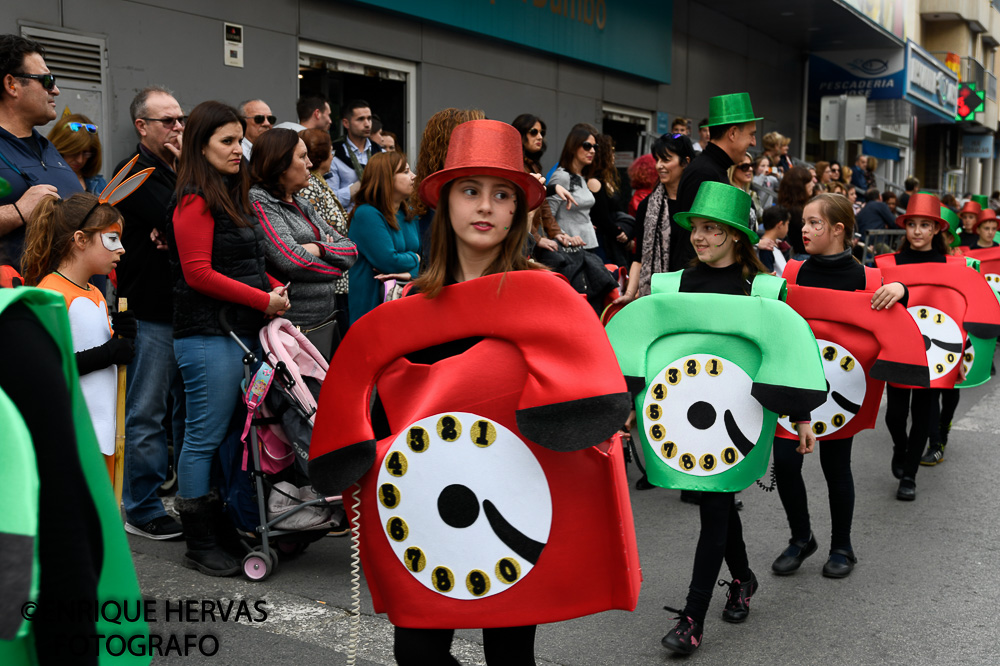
(120,187)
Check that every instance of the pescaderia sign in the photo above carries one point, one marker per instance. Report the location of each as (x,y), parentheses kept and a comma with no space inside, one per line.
(608,33)
(909,73)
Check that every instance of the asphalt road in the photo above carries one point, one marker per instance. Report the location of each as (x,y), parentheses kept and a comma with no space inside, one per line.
(925,590)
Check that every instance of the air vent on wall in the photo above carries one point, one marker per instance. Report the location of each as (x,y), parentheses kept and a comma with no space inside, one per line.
(70,57)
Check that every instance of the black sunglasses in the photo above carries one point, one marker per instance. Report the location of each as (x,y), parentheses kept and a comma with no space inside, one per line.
(535,132)
(259,118)
(169,122)
(48,81)
(587,146)
(745,167)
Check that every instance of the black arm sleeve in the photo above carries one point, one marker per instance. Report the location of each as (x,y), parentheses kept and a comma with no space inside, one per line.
(96,358)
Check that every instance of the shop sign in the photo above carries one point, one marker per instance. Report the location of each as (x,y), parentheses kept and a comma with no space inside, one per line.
(977,145)
(930,81)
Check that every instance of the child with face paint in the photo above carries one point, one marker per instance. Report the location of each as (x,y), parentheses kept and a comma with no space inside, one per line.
(726,264)
(827,229)
(67,242)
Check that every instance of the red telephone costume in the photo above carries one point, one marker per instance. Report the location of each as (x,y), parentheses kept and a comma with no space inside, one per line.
(483,503)
(989,264)
(861,349)
(946,300)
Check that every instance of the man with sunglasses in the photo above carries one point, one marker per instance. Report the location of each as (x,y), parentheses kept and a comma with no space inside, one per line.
(144,278)
(259,119)
(28,161)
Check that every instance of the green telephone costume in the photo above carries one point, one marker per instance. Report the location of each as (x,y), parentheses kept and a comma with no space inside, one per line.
(730,365)
(19,526)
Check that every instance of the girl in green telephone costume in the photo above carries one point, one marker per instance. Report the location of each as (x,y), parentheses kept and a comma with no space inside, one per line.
(715,368)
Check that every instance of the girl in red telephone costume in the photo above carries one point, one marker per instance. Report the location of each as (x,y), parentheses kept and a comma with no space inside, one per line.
(485,467)
(847,349)
(947,301)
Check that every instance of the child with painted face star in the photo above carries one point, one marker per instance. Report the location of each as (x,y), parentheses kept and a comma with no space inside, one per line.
(68,241)
(827,227)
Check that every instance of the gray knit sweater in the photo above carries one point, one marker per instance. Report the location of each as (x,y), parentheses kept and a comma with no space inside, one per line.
(289,226)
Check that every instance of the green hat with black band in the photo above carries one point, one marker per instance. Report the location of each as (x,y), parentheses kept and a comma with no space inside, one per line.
(721,203)
(954,225)
(731,109)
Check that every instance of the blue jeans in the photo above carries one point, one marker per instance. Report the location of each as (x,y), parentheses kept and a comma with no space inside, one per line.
(212,368)
(151,377)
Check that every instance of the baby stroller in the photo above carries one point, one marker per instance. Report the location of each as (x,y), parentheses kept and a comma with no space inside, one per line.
(265,476)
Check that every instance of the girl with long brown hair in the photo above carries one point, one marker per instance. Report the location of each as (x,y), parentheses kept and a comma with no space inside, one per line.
(218,267)
(68,241)
(382,226)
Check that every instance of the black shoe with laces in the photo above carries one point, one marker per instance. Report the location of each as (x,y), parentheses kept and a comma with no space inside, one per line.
(934,455)
(161,528)
(685,637)
(738,603)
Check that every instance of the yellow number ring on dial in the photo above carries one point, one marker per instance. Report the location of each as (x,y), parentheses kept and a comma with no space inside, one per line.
(707,425)
(847,387)
(942,337)
(452,507)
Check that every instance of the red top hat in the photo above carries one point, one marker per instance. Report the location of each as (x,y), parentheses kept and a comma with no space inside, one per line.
(484,148)
(970,207)
(923,205)
(985,215)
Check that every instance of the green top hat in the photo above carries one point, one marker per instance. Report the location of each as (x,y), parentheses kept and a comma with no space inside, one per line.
(732,109)
(982,200)
(723,203)
(954,225)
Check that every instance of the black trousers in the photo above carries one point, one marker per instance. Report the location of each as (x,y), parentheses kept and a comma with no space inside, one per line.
(721,538)
(835,459)
(949,403)
(432,647)
(923,406)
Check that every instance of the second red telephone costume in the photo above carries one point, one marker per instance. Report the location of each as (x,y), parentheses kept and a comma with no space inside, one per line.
(492,469)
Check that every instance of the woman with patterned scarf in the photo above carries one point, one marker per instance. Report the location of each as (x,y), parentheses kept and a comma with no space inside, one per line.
(673,152)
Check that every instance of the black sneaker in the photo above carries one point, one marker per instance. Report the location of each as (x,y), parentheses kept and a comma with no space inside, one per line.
(934,455)
(738,603)
(158,529)
(685,637)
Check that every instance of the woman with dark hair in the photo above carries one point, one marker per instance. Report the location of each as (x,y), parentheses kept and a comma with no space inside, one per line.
(542,223)
(218,265)
(575,166)
(324,200)
(302,249)
(654,220)
(794,192)
(382,225)
(75,137)
(606,186)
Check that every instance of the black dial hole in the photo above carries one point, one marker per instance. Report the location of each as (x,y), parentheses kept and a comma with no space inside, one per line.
(458,505)
(701,415)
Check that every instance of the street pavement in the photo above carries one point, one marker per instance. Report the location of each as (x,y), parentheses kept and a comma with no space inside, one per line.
(925,589)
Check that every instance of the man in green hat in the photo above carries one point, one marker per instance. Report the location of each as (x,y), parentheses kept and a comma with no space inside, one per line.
(732,130)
